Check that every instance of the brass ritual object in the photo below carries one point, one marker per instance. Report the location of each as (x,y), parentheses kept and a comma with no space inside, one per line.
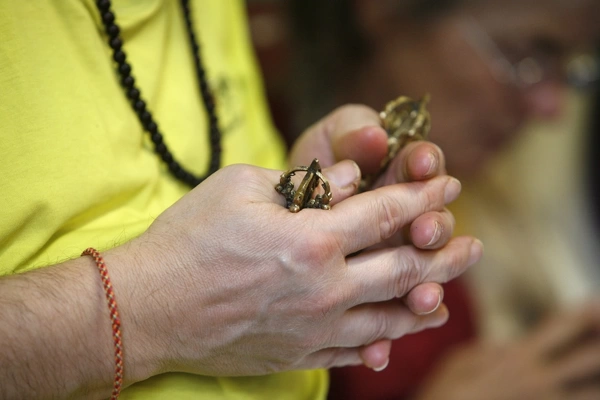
(297,199)
(405,120)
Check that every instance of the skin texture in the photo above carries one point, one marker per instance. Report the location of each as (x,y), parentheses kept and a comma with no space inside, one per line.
(271,302)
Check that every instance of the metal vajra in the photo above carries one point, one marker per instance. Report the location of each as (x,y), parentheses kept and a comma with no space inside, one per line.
(405,120)
(297,199)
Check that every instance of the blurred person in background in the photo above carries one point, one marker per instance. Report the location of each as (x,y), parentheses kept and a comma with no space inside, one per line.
(490,67)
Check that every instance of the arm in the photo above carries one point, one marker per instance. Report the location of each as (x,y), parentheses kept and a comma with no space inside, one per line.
(196,298)
(56,334)
(228,282)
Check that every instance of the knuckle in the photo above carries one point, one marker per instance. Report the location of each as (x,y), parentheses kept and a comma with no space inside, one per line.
(325,306)
(380,327)
(321,305)
(408,274)
(312,248)
(241,172)
(392,215)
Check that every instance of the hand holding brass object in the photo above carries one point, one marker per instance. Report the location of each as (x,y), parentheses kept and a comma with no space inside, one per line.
(405,120)
(297,199)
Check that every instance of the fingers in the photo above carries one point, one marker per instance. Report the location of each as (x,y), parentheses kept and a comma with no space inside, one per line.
(344,178)
(424,298)
(366,145)
(385,274)
(369,323)
(371,217)
(432,230)
(355,133)
(363,140)
(350,132)
(376,355)
(418,161)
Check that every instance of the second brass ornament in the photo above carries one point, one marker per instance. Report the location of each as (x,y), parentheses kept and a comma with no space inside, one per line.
(405,120)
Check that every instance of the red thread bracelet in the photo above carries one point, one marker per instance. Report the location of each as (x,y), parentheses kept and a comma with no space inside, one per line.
(114,317)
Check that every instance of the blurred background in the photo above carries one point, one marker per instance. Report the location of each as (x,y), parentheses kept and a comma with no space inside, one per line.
(516,108)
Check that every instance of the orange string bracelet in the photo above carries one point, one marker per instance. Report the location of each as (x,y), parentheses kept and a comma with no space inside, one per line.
(114,317)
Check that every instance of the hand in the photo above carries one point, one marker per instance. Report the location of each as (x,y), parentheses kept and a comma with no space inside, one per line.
(559,360)
(229,282)
(354,132)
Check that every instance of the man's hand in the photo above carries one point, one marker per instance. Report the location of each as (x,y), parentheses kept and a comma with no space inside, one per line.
(251,288)
(354,132)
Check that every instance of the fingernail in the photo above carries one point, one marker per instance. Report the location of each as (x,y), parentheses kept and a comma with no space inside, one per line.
(476,252)
(343,174)
(452,190)
(436,233)
(384,366)
(433,164)
(440,298)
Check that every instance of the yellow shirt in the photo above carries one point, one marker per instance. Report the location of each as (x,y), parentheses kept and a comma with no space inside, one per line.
(76,168)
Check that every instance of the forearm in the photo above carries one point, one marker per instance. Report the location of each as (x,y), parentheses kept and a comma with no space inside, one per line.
(56,335)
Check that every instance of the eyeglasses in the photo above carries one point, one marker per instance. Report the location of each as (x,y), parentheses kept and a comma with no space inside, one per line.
(580,70)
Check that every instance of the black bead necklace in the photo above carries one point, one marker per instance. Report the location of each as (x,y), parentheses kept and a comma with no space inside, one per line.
(139,105)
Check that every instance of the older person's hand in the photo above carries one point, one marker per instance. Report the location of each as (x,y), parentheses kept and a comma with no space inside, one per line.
(354,132)
(246,287)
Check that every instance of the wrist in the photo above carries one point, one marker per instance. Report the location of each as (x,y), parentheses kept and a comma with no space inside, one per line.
(131,274)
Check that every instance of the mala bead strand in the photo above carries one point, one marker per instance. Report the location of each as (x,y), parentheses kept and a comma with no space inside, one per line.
(207,96)
(138,104)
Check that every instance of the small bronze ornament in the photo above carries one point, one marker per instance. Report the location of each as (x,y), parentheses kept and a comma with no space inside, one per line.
(297,199)
(405,120)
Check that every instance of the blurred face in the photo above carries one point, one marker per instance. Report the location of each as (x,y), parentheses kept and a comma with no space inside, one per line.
(488,69)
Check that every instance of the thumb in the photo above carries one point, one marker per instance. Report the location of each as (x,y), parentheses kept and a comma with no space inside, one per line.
(356,133)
